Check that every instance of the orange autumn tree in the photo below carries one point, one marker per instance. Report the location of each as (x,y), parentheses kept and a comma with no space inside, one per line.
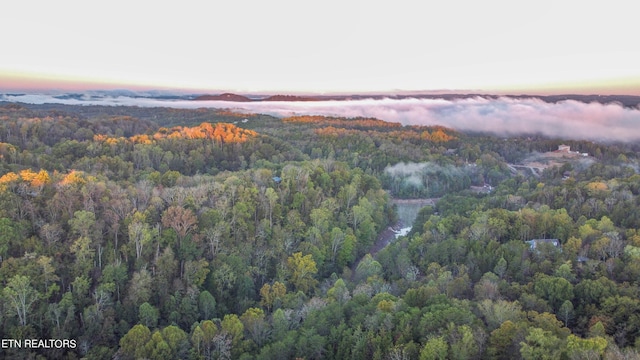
(219,132)
(36,180)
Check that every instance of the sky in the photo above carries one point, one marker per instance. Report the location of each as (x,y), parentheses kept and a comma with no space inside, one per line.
(287,46)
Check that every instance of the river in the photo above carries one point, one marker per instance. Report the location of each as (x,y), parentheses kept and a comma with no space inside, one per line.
(407,212)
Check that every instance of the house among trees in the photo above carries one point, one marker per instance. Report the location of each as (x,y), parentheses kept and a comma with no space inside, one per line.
(564,148)
(534,243)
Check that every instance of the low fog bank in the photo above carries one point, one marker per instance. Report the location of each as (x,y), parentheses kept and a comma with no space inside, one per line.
(428,179)
(568,119)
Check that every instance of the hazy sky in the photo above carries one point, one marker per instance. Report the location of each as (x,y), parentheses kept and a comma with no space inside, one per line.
(323,46)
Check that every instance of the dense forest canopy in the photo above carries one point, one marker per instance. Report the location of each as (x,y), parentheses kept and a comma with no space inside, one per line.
(208,234)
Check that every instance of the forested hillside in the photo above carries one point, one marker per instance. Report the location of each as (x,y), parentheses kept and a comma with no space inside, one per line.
(208,234)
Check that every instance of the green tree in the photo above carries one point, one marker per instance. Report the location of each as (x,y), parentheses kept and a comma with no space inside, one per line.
(623,310)
(80,289)
(565,271)
(206,305)
(272,201)
(463,343)
(148,315)
(301,271)
(368,267)
(566,312)
(592,348)
(272,295)
(207,340)
(504,341)
(20,297)
(232,326)
(254,322)
(320,218)
(177,340)
(48,273)
(346,255)
(540,345)
(337,238)
(82,223)
(339,292)
(9,235)
(140,234)
(85,255)
(166,268)
(169,178)
(157,348)
(115,273)
(132,344)
(310,344)
(195,272)
(139,290)
(497,312)
(435,349)
(593,292)
(554,289)
(501,267)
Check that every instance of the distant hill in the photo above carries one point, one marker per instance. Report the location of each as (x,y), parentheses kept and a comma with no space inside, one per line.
(290,98)
(624,100)
(241,98)
(224,97)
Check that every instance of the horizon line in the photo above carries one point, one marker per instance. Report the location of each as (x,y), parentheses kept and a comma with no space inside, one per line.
(35,84)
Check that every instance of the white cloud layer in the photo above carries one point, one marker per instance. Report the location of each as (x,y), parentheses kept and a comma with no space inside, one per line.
(504,116)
